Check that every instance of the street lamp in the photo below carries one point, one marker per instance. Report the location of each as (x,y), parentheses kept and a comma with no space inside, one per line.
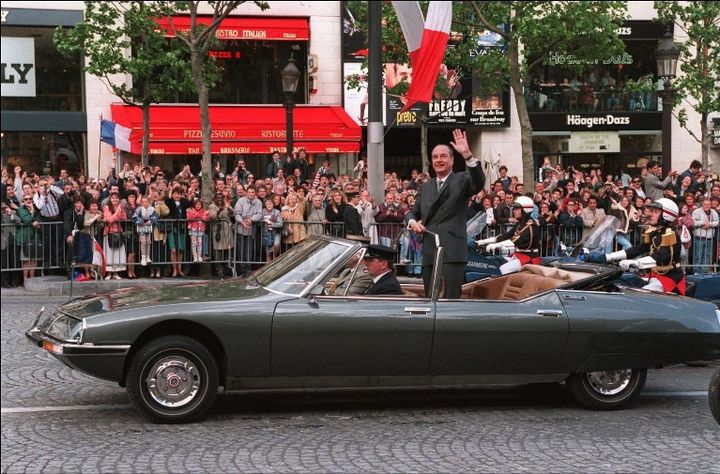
(667,57)
(290,78)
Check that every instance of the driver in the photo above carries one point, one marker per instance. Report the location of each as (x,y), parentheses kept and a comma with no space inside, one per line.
(524,238)
(378,259)
(662,245)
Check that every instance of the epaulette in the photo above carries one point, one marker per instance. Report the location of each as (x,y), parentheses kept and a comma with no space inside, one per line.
(669,238)
(647,236)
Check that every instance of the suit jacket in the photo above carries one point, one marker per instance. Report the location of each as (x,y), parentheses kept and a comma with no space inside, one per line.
(387,285)
(444,213)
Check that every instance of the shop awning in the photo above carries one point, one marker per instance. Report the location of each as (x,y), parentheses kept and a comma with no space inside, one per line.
(245,27)
(242,129)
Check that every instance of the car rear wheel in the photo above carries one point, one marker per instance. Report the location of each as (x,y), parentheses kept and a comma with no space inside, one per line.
(714,395)
(173,379)
(606,390)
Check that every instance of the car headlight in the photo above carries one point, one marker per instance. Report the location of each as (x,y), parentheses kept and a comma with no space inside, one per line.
(65,328)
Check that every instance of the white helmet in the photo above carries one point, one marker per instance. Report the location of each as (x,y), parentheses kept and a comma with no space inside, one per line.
(525,203)
(668,207)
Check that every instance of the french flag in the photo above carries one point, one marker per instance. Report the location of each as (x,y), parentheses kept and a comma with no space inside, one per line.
(116,135)
(425,61)
(98,257)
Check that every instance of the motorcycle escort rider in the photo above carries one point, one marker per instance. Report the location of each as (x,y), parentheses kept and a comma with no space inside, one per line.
(524,238)
(662,244)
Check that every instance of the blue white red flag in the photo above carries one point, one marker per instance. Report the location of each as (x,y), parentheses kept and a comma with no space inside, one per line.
(116,135)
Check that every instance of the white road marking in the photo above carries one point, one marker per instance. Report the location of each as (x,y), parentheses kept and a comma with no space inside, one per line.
(10,410)
(699,394)
(63,408)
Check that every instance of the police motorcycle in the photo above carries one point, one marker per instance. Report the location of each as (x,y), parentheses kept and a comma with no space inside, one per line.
(659,241)
(500,255)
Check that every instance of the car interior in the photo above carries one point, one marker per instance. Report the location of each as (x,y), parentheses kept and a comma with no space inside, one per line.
(530,280)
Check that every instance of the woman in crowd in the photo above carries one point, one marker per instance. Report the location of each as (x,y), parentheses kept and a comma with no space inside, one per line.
(159,249)
(620,211)
(221,215)
(548,231)
(177,234)
(28,236)
(292,215)
(334,213)
(114,241)
(131,241)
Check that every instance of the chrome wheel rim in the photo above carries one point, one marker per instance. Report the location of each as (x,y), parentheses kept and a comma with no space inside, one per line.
(173,381)
(609,382)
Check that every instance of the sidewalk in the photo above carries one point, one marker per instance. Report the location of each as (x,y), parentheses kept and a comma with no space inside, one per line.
(61,286)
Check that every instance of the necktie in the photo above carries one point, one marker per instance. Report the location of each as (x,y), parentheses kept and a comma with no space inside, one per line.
(439,185)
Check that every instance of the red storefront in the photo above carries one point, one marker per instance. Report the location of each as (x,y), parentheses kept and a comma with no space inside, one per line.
(246,114)
(242,129)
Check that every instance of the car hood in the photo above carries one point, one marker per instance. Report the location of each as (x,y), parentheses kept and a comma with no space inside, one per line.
(143,297)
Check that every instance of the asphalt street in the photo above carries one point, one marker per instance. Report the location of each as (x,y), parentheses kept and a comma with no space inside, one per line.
(58,420)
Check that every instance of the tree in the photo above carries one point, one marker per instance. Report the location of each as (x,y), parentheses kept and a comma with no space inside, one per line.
(121,38)
(531,31)
(697,86)
(198,39)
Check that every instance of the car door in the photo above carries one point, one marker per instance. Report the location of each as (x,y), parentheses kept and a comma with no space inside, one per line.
(476,337)
(352,336)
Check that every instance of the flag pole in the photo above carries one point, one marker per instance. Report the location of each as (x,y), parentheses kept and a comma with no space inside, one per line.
(99,148)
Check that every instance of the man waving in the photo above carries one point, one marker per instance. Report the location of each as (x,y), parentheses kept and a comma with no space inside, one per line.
(440,208)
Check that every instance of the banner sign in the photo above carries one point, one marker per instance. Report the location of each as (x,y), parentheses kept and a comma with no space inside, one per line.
(594,142)
(18,67)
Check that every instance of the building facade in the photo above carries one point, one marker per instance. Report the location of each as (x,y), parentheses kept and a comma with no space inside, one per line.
(51,112)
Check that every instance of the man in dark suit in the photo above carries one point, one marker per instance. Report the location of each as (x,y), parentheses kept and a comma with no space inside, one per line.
(378,260)
(440,208)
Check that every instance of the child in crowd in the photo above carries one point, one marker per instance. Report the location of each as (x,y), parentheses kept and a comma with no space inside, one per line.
(197,215)
(145,218)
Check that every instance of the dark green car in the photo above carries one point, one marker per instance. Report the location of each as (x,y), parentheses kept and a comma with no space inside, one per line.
(294,324)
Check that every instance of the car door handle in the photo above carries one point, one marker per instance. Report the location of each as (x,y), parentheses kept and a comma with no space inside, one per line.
(555,313)
(416,310)
(575,297)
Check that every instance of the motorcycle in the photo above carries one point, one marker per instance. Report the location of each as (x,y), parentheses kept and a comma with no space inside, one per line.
(597,242)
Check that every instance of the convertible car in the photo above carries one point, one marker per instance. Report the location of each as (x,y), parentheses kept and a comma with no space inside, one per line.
(295,324)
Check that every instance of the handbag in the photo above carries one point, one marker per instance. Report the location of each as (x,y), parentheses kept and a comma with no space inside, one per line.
(218,235)
(115,240)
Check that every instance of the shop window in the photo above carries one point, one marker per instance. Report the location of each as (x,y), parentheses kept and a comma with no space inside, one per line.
(45,153)
(58,79)
(250,72)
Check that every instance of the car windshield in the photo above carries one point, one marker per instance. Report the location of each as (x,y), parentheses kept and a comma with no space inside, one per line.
(293,271)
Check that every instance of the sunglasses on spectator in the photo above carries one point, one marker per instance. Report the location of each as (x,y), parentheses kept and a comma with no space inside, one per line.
(636,182)
(27,199)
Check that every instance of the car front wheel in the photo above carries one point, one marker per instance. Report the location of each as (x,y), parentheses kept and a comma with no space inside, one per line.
(173,379)
(606,390)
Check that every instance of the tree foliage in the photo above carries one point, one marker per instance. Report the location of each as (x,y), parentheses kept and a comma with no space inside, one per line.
(530,30)
(698,85)
(198,40)
(119,39)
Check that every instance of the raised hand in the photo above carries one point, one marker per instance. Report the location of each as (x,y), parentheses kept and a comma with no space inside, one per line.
(460,143)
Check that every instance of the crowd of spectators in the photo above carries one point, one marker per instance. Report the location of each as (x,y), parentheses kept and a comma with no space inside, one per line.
(144,218)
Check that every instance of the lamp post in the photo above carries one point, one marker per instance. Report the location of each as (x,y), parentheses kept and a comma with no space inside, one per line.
(290,78)
(667,56)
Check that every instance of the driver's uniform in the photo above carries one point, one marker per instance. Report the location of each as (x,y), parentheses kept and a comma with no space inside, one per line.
(662,243)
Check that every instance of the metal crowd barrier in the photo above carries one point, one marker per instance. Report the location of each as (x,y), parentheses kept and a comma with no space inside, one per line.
(232,250)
